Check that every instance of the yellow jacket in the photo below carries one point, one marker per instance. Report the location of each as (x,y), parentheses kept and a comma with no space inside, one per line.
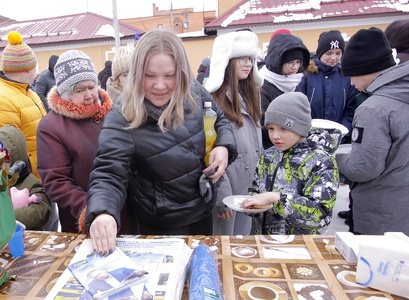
(22,107)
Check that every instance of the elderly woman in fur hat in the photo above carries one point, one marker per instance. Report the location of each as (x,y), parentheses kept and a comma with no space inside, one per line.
(68,136)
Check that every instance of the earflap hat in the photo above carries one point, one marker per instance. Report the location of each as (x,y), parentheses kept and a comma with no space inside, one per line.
(226,47)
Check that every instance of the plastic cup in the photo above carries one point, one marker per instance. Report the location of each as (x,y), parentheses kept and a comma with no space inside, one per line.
(16,244)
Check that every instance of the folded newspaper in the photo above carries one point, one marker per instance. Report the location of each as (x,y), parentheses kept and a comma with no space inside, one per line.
(115,275)
(154,269)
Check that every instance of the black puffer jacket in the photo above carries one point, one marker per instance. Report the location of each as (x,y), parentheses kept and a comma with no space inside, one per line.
(162,169)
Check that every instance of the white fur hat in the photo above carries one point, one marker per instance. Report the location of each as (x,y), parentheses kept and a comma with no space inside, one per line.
(227,46)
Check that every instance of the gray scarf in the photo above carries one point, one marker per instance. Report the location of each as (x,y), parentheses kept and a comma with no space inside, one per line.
(285,83)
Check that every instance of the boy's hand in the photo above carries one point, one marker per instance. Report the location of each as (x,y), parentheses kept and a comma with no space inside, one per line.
(263,199)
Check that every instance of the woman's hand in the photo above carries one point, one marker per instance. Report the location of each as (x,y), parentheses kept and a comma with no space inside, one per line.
(263,199)
(103,234)
(218,158)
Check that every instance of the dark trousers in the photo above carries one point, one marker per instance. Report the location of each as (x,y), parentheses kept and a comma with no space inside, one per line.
(201,227)
(350,216)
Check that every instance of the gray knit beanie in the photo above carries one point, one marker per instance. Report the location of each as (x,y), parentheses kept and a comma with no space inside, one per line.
(291,111)
(73,66)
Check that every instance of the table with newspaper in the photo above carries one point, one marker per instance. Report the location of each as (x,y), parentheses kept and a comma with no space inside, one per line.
(290,267)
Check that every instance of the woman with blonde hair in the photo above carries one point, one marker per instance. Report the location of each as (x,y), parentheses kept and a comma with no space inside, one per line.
(152,147)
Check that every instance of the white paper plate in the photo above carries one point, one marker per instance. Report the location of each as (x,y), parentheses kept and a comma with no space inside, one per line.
(233,203)
(277,239)
(342,277)
(322,123)
(244,251)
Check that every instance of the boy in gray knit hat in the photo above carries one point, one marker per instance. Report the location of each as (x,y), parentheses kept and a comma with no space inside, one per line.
(298,177)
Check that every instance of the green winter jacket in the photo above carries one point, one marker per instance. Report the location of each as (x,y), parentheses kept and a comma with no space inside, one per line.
(36,215)
(307,177)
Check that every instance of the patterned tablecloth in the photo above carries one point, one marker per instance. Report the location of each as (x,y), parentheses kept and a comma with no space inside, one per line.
(284,267)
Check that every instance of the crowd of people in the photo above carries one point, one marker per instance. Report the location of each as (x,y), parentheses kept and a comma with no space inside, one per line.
(123,151)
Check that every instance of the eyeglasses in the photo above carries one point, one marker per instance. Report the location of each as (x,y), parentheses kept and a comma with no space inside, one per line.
(294,63)
(244,59)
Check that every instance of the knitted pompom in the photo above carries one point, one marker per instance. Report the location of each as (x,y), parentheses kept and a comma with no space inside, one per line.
(14,38)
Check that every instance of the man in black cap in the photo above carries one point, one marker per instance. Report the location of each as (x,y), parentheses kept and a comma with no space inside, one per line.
(330,94)
(378,163)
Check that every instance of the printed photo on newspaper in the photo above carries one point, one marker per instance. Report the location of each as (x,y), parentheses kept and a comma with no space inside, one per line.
(111,277)
(166,261)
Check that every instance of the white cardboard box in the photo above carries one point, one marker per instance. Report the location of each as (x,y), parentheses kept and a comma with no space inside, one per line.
(348,245)
(383,263)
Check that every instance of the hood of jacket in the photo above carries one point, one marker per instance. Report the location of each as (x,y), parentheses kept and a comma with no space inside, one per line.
(15,143)
(71,110)
(392,83)
(280,44)
(320,138)
(51,63)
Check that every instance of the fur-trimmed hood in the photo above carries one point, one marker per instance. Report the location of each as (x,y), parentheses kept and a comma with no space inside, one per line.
(312,67)
(316,66)
(74,111)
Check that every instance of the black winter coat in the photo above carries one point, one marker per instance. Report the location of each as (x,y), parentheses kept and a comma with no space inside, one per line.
(43,85)
(280,44)
(162,170)
(105,74)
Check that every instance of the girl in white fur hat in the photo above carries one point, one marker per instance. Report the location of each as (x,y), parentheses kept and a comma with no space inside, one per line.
(234,83)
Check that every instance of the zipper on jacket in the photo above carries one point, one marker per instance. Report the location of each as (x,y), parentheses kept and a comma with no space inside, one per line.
(269,189)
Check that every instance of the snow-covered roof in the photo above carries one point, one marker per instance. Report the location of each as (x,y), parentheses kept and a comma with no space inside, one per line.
(76,28)
(249,13)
